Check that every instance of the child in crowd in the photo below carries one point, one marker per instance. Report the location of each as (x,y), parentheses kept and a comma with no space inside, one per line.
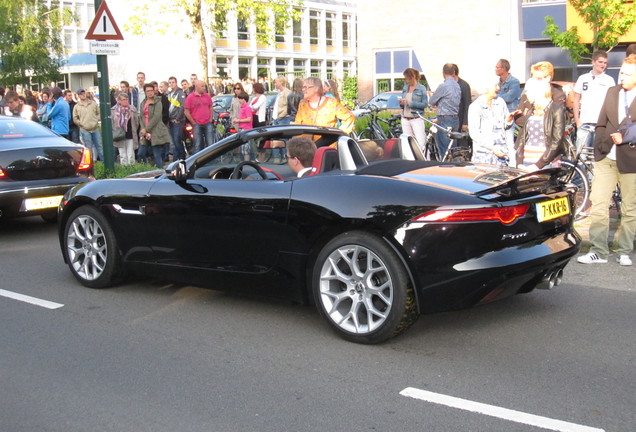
(244,121)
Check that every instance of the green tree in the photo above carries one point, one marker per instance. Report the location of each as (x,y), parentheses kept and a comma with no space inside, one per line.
(208,18)
(31,45)
(608,20)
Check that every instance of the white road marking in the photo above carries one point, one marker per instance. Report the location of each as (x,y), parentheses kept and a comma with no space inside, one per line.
(28,299)
(494,411)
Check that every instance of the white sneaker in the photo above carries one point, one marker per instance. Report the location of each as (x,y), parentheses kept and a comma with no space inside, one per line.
(592,258)
(624,260)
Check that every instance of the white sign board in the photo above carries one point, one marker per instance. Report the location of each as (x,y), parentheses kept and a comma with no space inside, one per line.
(110,47)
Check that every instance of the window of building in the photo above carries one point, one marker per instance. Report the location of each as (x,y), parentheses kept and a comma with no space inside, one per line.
(281,66)
(244,67)
(222,66)
(314,68)
(389,66)
(297,28)
(346,30)
(331,68)
(68,39)
(299,68)
(280,29)
(330,28)
(243,30)
(81,41)
(263,67)
(314,27)
(347,68)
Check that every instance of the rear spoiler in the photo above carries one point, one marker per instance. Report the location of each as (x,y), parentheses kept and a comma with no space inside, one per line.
(543,179)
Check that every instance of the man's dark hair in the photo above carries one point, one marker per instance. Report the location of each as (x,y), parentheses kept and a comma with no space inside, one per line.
(599,53)
(143,73)
(56,92)
(11,96)
(631,49)
(303,149)
(174,78)
(505,64)
(67,92)
(148,85)
(448,69)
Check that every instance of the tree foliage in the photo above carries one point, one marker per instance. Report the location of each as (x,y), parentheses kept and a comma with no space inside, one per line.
(608,20)
(31,40)
(208,18)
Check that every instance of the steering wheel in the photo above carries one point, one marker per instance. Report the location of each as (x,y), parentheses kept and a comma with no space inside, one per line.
(238,170)
(221,173)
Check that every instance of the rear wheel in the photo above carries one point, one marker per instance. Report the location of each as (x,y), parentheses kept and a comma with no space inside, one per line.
(362,289)
(91,249)
(582,196)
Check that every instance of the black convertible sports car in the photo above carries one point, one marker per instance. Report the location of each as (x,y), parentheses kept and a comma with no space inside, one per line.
(373,245)
(37,167)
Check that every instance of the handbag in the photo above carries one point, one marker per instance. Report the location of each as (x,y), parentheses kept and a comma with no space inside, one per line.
(119,134)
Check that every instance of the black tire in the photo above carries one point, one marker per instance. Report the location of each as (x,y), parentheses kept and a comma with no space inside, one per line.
(91,249)
(582,196)
(363,303)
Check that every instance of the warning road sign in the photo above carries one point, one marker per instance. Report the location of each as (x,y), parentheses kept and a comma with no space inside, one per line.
(104,26)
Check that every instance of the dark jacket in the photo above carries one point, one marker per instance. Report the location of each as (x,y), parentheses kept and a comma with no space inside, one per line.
(608,124)
(554,128)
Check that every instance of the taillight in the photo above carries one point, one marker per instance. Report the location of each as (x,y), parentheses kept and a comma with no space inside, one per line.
(505,215)
(189,128)
(86,162)
(2,174)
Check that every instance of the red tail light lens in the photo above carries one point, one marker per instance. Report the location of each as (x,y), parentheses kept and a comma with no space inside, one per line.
(189,128)
(2,174)
(86,162)
(505,215)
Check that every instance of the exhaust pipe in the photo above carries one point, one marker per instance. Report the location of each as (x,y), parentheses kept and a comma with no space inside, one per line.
(550,280)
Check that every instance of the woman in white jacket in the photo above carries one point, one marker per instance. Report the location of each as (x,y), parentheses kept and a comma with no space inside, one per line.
(490,127)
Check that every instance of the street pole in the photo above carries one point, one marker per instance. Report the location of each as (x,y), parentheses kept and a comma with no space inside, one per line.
(104,108)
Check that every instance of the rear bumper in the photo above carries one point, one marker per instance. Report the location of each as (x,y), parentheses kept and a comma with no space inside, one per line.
(12,198)
(494,274)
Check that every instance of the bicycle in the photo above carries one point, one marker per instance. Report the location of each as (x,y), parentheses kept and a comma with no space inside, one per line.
(453,153)
(375,131)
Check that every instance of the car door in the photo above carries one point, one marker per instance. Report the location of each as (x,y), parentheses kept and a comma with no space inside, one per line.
(220,224)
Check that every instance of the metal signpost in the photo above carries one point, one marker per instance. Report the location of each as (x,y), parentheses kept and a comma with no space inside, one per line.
(104,37)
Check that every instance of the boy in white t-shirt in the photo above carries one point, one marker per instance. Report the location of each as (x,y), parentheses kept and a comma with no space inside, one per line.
(589,95)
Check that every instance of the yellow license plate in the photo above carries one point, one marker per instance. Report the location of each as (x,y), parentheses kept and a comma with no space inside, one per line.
(42,203)
(552,209)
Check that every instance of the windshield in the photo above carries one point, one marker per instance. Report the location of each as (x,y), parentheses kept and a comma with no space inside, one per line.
(10,129)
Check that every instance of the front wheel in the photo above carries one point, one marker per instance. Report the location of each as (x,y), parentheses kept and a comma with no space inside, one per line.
(362,289)
(91,249)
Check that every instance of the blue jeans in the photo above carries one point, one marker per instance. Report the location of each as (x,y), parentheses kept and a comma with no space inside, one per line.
(199,130)
(157,154)
(441,137)
(176,133)
(93,141)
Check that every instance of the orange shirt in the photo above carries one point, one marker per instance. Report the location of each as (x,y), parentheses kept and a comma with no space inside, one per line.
(327,114)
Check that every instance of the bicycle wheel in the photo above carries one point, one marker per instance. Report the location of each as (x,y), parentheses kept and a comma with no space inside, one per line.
(579,178)
(430,149)
(366,134)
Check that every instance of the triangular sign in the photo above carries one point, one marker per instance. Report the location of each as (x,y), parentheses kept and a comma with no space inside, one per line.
(104,26)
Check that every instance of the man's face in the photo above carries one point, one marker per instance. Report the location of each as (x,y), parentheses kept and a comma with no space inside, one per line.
(163,87)
(172,84)
(82,95)
(150,92)
(199,87)
(193,78)
(184,85)
(14,104)
(627,76)
(499,69)
(69,97)
(141,78)
(599,65)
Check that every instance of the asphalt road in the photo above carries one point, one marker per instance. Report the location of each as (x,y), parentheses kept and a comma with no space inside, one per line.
(155,356)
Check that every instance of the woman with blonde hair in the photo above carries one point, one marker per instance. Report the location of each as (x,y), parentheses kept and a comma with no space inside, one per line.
(318,110)
(330,89)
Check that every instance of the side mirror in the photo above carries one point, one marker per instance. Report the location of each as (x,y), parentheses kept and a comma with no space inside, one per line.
(177,171)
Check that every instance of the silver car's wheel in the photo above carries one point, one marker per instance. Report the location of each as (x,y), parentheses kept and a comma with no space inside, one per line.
(91,248)
(362,289)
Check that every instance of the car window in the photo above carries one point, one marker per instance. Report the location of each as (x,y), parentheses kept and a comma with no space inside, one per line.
(11,129)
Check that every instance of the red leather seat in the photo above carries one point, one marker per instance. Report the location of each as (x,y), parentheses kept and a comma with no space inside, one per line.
(391,149)
(325,159)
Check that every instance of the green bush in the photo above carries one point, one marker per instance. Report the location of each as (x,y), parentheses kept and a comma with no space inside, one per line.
(349,95)
(362,122)
(99,170)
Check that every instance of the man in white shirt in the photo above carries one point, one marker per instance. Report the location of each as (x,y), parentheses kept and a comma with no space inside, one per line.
(589,94)
(300,155)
